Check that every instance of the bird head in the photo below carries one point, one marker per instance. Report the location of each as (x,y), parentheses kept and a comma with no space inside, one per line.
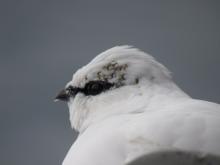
(109,85)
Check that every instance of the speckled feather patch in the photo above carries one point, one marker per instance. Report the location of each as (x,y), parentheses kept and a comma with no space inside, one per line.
(113,72)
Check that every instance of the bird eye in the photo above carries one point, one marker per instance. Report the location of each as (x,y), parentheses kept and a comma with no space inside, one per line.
(96,87)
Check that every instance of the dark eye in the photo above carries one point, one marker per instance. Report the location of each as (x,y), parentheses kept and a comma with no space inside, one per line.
(96,87)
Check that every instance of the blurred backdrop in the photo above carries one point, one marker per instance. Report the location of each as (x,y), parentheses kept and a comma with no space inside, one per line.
(43,42)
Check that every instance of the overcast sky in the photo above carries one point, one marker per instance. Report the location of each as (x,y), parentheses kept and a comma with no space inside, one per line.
(43,42)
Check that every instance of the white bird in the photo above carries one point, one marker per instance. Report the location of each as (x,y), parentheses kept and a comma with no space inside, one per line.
(125,106)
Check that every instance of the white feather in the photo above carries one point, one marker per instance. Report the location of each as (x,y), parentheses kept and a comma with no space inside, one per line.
(147,114)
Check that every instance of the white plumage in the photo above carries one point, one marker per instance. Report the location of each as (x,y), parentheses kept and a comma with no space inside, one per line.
(143,113)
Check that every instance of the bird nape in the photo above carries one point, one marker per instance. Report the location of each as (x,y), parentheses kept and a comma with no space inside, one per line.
(128,110)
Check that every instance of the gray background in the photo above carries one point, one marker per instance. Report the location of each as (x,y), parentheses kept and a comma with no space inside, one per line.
(43,42)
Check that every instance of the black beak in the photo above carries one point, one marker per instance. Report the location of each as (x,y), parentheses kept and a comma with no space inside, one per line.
(62,96)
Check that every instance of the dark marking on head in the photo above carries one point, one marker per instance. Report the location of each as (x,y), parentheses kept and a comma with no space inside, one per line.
(90,88)
(122,77)
(112,72)
(96,87)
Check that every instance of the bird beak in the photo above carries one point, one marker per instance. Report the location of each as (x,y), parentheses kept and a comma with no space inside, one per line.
(62,96)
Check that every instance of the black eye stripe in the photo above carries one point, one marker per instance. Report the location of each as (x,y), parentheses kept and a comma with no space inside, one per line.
(91,88)
(96,87)
(72,90)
